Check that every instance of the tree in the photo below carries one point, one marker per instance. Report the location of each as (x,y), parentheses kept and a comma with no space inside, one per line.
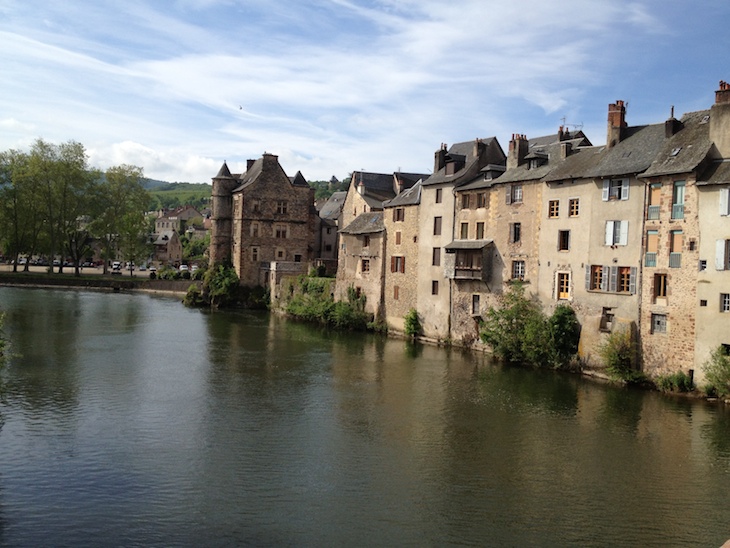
(122,201)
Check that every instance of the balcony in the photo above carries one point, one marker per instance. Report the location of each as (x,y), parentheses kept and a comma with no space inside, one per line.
(652,213)
(675,260)
(678,211)
(467,273)
(649,259)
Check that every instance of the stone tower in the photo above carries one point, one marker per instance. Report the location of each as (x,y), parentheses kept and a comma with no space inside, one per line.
(222,216)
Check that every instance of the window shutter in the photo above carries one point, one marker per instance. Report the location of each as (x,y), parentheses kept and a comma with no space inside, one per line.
(624,189)
(508,194)
(606,184)
(403,265)
(609,232)
(392,264)
(588,277)
(632,281)
(724,201)
(624,237)
(614,277)
(604,277)
(395,216)
(720,255)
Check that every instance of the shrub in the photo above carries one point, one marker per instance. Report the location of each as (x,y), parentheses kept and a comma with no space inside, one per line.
(194,297)
(618,353)
(412,324)
(676,382)
(717,372)
(564,335)
(220,285)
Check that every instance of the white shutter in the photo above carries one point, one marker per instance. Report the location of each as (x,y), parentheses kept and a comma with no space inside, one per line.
(606,184)
(720,259)
(724,201)
(609,232)
(624,237)
(604,277)
(613,283)
(624,189)
(632,281)
(588,277)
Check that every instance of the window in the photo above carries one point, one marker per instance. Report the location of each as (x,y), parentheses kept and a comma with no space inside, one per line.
(606,319)
(553,209)
(515,233)
(280,231)
(676,240)
(615,189)
(398,264)
(280,254)
(563,285)
(617,232)
(722,255)
(366,241)
(434,287)
(465,201)
(482,199)
(514,194)
(281,207)
(678,200)
(438,195)
(596,278)
(574,207)
(518,270)
(399,215)
(297,258)
(725,201)
(475,304)
(563,240)
(436,256)
(365,266)
(254,230)
(254,254)
(464,234)
(256,206)
(624,279)
(396,292)
(652,247)
(655,194)
(660,286)
(480,231)
(724,302)
(397,238)
(658,323)
(437,226)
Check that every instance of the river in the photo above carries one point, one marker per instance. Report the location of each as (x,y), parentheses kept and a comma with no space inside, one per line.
(130,420)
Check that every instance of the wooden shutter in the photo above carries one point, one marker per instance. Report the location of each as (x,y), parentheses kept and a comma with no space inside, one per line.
(508,194)
(632,281)
(609,233)
(624,233)
(604,277)
(624,189)
(720,259)
(606,184)
(612,284)
(724,201)
(403,265)
(392,264)
(588,277)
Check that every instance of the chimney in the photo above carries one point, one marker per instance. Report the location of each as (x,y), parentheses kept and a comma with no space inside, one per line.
(439,158)
(720,120)
(477,145)
(616,122)
(270,161)
(249,163)
(565,150)
(518,147)
(360,185)
(672,125)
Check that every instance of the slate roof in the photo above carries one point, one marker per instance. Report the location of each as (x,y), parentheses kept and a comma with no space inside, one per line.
(686,149)
(411,196)
(163,237)
(460,152)
(635,152)
(468,244)
(333,206)
(365,223)
(580,164)
(718,173)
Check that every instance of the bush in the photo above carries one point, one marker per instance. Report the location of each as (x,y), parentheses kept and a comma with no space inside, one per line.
(311,300)
(717,373)
(676,382)
(412,324)
(618,353)
(220,285)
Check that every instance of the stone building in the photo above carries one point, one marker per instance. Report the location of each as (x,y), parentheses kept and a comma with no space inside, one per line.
(263,222)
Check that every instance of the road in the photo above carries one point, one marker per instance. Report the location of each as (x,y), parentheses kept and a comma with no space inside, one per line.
(96,271)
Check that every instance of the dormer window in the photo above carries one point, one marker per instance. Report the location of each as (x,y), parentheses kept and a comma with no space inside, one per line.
(534,163)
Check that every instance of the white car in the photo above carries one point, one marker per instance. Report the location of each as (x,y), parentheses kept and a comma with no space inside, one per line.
(183,268)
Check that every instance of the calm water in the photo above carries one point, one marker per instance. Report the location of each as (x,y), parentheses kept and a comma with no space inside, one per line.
(130,420)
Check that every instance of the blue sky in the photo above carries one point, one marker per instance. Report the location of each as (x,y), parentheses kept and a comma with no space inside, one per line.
(332,86)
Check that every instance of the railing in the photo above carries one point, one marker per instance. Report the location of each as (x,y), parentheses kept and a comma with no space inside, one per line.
(652,212)
(649,259)
(467,273)
(678,211)
(675,260)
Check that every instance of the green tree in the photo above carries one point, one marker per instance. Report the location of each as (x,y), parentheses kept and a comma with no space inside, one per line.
(717,372)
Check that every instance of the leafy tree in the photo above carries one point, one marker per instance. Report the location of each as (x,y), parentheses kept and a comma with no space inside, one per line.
(412,324)
(564,335)
(717,372)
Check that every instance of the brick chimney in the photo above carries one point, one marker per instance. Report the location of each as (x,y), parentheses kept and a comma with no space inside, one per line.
(672,125)
(565,150)
(439,158)
(720,120)
(518,147)
(616,122)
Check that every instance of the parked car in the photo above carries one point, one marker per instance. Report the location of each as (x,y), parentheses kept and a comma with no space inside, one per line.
(183,268)
(116,267)
(142,268)
(153,268)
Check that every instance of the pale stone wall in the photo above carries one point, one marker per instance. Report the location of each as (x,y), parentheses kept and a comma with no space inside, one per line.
(407,282)
(350,271)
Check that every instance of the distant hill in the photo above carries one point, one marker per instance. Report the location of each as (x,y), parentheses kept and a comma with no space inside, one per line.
(170,195)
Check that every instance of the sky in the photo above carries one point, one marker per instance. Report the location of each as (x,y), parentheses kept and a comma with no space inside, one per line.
(177,87)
